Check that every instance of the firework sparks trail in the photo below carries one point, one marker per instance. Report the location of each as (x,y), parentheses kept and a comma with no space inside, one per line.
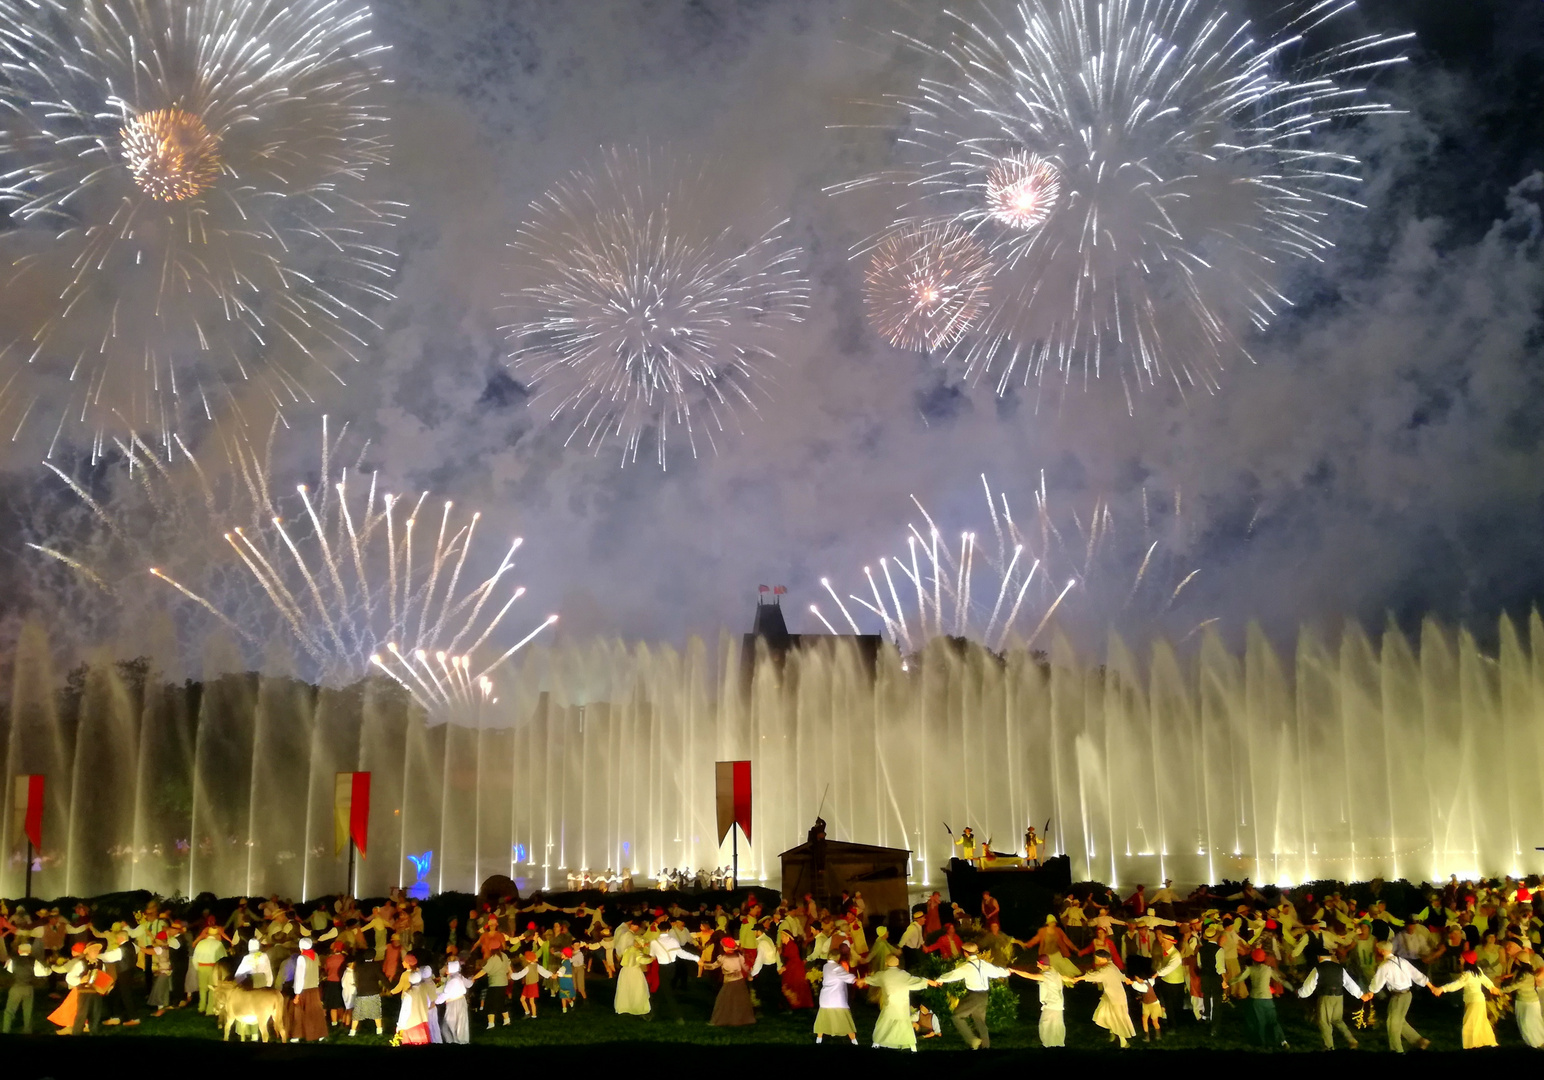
(926,287)
(1029,574)
(635,312)
(1138,170)
(358,578)
(191,189)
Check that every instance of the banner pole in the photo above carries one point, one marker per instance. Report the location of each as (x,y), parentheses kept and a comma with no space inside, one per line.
(734,832)
(29,868)
(352,847)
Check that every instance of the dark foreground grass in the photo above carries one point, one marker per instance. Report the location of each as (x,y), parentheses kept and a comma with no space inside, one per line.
(594,1036)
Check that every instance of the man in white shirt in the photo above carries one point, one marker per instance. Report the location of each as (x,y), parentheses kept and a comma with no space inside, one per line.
(911,943)
(976,974)
(766,972)
(667,951)
(1397,975)
(26,973)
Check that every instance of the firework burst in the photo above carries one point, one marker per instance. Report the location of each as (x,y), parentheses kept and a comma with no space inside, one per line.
(1139,171)
(190,189)
(360,580)
(1006,588)
(926,287)
(636,311)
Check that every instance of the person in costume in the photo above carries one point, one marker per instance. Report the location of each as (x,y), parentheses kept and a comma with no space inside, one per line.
(932,917)
(835,1015)
(1328,984)
(912,940)
(307,1019)
(1034,845)
(947,945)
(1399,976)
(529,977)
(668,955)
(207,952)
(27,973)
(767,972)
(1152,1009)
(795,976)
(966,842)
(369,982)
(1474,984)
(894,1028)
(1053,985)
(255,969)
(632,993)
(160,959)
(413,1015)
(1525,1000)
(1264,1025)
(568,973)
(732,1008)
(1113,1013)
(457,1025)
(976,974)
(1051,942)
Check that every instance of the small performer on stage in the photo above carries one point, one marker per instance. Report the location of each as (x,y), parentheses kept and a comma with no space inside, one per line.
(1053,984)
(457,1027)
(966,842)
(1114,1010)
(976,974)
(307,1020)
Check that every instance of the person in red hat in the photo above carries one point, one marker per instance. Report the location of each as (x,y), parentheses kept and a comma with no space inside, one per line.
(1264,1026)
(732,1008)
(1474,985)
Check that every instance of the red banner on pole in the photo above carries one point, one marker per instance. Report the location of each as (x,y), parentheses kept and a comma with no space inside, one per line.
(359,811)
(733,783)
(351,810)
(32,824)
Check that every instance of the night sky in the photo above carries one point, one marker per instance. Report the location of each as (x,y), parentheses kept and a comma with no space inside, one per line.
(1384,456)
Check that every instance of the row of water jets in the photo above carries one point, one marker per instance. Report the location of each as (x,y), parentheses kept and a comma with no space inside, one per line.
(1345,759)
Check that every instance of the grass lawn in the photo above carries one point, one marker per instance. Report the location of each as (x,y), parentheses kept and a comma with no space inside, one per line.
(596,1024)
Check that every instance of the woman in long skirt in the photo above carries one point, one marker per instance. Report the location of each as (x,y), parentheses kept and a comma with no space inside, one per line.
(796,980)
(1525,1003)
(457,1025)
(1113,1013)
(732,1007)
(1473,982)
(835,1017)
(632,996)
(413,1020)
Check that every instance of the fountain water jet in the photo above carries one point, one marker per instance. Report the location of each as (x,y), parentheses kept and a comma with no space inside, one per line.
(1344,759)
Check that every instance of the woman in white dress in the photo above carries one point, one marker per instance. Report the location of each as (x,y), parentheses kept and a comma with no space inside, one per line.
(457,1027)
(1525,988)
(1474,983)
(1113,1012)
(632,985)
(835,1017)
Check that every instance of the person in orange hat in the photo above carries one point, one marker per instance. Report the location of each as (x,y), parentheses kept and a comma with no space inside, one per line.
(1264,1025)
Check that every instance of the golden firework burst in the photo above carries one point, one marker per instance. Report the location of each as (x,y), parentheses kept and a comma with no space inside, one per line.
(172,155)
(927,286)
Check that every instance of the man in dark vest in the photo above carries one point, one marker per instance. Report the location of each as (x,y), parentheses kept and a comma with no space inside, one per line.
(1328,984)
(26,974)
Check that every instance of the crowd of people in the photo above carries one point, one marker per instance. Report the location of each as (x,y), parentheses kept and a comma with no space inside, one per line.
(1150,961)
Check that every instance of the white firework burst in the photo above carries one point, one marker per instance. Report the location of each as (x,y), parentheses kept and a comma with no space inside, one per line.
(1139,170)
(1007,587)
(638,308)
(190,189)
